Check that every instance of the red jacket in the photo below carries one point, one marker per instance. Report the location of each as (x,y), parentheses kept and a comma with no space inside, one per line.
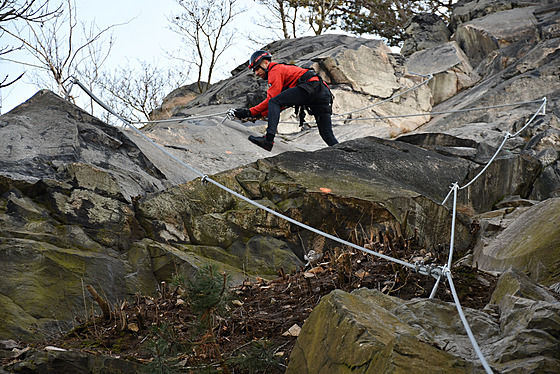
(280,77)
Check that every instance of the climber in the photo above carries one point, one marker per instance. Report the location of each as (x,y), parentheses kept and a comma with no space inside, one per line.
(289,85)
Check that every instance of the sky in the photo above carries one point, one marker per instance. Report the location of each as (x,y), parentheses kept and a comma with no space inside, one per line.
(146,37)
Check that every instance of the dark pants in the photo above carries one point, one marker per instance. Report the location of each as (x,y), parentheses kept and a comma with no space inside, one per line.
(319,102)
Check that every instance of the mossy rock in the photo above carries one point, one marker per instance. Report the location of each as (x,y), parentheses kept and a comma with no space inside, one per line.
(515,283)
(48,281)
(73,362)
(357,333)
(529,244)
(265,256)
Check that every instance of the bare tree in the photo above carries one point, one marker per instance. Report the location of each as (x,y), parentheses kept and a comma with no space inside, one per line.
(319,13)
(294,17)
(57,48)
(207,30)
(136,92)
(12,11)
(283,15)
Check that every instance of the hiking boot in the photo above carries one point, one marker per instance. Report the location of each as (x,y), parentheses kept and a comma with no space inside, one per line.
(262,142)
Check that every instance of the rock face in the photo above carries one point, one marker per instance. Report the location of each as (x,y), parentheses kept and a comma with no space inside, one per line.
(175,101)
(377,193)
(423,31)
(450,67)
(69,185)
(479,37)
(383,334)
(335,58)
(468,10)
(85,203)
(373,323)
(72,145)
(529,244)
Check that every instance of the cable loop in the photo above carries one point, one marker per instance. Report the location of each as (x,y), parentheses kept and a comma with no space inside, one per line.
(229,115)
(430,270)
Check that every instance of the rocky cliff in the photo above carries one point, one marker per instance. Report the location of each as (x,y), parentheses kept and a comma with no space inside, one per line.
(86,203)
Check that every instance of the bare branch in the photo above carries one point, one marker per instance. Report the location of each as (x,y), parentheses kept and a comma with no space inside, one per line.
(206,28)
(4,84)
(282,19)
(60,47)
(12,10)
(136,92)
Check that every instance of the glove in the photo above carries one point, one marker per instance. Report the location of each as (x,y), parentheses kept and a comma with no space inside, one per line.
(242,113)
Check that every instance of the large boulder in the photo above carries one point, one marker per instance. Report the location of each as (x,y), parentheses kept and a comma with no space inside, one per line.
(49,138)
(375,336)
(69,185)
(424,31)
(371,332)
(47,262)
(369,188)
(382,77)
(529,244)
(176,100)
(450,67)
(509,174)
(376,78)
(515,283)
(481,36)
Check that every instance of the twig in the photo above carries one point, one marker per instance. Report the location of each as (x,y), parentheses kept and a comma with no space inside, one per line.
(102,303)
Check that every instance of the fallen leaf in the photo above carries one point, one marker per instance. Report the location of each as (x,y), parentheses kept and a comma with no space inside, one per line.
(362,273)
(316,270)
